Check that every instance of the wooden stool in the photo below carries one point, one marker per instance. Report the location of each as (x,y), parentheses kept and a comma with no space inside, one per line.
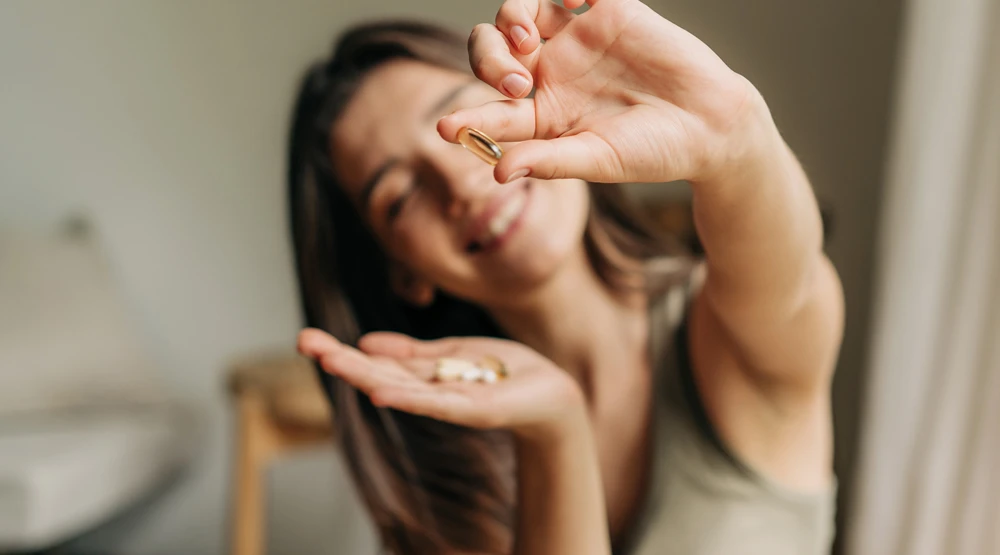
(280,406)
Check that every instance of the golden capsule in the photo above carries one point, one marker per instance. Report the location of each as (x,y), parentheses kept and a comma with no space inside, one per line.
(495,366)
(480,144)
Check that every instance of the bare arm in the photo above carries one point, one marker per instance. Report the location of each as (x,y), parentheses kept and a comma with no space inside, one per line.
(622,95)
(767,323)
(560,498)
(774,294)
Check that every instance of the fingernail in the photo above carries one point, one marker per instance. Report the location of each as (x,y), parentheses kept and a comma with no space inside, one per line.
(519,35)
(518,175)
(515,85)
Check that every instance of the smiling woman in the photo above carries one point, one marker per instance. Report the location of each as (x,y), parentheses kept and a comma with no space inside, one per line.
(353,283)
(649,403)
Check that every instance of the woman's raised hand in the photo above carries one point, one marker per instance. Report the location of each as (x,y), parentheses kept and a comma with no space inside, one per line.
(621,94)
(537,401)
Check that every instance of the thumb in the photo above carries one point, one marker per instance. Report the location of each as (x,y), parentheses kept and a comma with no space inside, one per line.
(584,156)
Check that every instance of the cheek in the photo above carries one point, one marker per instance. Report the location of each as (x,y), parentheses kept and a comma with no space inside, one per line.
(578,197)
(422,241)
(569,205)
(560,225)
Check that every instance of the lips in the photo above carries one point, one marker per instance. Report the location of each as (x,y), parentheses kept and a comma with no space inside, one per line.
(498,217)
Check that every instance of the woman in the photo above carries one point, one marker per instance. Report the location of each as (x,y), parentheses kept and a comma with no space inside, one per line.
(652,406)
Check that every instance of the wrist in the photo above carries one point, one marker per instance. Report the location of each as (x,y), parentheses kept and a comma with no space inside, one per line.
(568,423)
(569,446)
(749,142)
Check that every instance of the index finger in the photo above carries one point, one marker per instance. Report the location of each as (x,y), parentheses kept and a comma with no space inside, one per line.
(398,346)
(501,120)
(315,343)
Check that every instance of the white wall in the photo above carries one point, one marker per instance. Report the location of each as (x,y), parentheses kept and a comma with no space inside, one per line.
(165,122)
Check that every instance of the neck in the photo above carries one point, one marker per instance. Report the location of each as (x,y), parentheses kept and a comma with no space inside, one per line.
(578,322)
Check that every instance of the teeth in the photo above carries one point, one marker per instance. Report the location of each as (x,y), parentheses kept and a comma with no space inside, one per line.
(502,219)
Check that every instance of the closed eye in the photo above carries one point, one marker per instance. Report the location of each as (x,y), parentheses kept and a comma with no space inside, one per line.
(399,203)
(396,207)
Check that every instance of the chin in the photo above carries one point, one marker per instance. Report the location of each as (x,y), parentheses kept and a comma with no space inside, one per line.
(535,244)
(536,258)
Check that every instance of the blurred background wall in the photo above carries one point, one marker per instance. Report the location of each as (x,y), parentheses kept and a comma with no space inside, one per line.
(164,122)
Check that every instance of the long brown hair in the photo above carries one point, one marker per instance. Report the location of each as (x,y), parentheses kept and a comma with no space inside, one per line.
(430,486)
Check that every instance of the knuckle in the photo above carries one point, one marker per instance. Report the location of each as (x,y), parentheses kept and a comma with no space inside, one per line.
(505,118)
(477,35)
(507,12)
(327,362)
(377,396)
(489,63)
(339,359)
(479,67)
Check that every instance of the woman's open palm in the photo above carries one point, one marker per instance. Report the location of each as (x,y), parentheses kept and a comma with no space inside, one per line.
(398,371)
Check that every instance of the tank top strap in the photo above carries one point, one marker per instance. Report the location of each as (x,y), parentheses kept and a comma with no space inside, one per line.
(677,392)
(699,493)
(668,319)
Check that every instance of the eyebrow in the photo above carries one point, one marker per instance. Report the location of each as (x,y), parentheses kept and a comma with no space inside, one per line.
(437,108)
(446,100)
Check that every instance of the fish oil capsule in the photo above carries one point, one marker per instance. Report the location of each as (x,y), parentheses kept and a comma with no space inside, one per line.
(480,144)
(494,366)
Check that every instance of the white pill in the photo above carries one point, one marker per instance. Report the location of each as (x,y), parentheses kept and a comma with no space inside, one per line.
(474,374)
(452,369)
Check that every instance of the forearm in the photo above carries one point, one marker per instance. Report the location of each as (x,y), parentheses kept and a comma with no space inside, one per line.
(560,497)
(759,223)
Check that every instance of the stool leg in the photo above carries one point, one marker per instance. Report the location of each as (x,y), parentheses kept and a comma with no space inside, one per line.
(255,447)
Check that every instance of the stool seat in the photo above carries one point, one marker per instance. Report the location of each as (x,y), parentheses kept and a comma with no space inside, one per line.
(287,385)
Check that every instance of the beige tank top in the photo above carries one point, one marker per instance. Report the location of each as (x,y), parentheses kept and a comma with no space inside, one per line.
(702,500)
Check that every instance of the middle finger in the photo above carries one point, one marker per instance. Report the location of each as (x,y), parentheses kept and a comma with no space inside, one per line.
(493,63)
(538,19)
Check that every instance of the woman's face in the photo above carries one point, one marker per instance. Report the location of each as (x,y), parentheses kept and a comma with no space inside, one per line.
(435,207)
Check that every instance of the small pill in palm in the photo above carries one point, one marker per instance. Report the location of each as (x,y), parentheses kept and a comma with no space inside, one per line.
(452,369)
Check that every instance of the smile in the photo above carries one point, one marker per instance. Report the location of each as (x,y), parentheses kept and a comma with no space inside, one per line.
(500,223)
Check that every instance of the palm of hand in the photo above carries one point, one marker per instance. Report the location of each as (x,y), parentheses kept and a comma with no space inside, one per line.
(398,372)
(621,94)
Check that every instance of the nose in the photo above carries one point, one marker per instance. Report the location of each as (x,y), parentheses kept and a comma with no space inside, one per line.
(465,179)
